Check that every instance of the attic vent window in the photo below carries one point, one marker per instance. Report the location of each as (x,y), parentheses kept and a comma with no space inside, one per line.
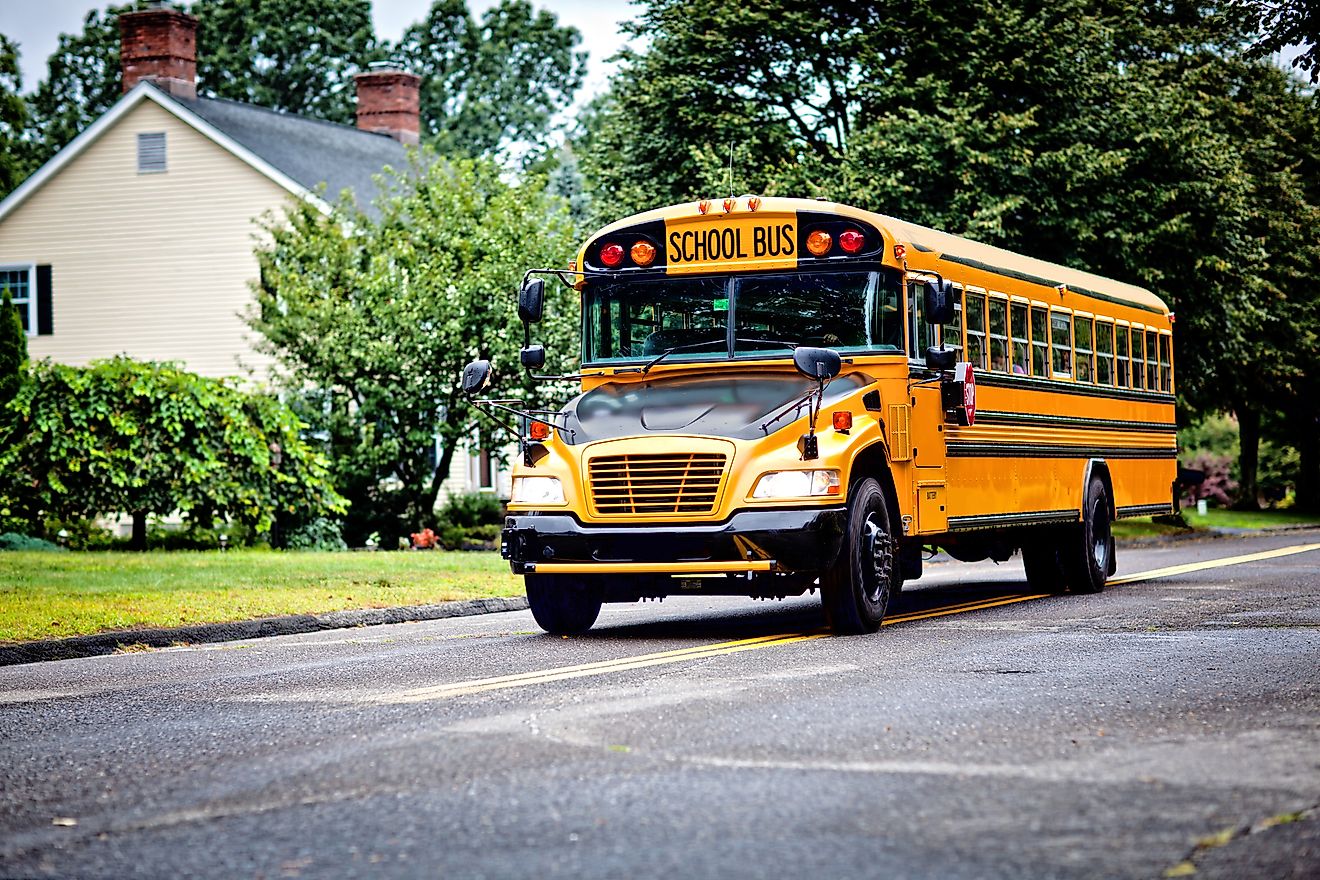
(151,152)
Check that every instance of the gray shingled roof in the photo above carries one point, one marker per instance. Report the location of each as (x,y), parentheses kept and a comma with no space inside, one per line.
(310,151)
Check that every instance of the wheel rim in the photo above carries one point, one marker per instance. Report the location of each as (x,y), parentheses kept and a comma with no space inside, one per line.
(879,556)
(1100,534)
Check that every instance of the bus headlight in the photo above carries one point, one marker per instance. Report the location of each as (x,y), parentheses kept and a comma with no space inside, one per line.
(796,484)
(537,490)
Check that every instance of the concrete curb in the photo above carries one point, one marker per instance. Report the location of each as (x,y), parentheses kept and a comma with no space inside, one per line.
(108,643)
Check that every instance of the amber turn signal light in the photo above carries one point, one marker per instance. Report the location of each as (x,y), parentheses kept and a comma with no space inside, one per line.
(540,430)
(819,243)
(642,253)
(842,421)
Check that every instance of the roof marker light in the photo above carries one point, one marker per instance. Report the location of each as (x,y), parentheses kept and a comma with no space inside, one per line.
(753,203)
(900,252)
(539,431)
(703,206)
(729,205)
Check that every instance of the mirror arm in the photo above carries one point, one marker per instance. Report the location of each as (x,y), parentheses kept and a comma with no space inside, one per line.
(565,274)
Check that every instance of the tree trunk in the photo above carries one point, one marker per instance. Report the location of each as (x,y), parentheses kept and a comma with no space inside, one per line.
(138,541)
(1248,456)
(1308,470)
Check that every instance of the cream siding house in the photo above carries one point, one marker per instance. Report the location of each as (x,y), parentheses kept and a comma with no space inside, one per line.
(137,238)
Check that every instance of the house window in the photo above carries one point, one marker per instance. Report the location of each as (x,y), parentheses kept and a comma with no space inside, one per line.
(482,471)
(20,281)
(151,152)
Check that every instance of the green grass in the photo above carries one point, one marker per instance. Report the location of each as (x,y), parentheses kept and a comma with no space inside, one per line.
(1215,518)
(54,595)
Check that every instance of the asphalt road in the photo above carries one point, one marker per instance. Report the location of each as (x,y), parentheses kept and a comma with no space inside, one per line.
(1170,724)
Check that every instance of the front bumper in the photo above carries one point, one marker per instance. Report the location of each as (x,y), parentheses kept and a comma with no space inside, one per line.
(795,540)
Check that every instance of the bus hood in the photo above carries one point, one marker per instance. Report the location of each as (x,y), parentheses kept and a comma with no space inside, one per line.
(718,405)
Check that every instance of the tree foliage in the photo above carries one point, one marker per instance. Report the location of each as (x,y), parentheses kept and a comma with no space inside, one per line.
(13,354)
(374,318)
(298,56)
(13,119)
(1280,24)
(122,436)
(491,86)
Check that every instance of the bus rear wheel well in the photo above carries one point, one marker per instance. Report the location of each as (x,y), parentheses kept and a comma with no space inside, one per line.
(1098,467)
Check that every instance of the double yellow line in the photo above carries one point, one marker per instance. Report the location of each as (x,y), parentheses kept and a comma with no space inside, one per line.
(683,655)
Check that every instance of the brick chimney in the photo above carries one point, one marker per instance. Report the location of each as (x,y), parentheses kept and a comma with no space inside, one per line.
(388,102)
(159,44)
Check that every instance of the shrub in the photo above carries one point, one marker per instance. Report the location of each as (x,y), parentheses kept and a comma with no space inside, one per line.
(15,541)
(321,533)
(488,532)
(473,509)
(451,537)
(83,534)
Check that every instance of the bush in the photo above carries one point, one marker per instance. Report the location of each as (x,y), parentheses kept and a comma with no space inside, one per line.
(322,533)
(488,532)
(472,509)
(15,541)
(451,537)
(83,534)
(196,538)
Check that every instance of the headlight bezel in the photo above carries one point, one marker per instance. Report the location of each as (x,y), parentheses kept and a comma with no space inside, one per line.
(797,484)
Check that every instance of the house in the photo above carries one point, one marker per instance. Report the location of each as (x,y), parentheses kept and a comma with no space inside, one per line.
(137,237)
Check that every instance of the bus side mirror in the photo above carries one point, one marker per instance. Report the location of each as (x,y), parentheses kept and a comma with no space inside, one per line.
(476,376)
(938,304)
(531,301)
(533,357)
(817,363)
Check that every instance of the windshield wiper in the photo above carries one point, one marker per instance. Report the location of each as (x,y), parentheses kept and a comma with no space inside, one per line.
(696,345)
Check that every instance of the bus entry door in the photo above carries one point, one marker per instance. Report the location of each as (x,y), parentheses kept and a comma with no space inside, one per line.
(928,454)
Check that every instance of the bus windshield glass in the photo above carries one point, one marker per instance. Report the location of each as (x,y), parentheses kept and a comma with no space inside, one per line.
(636,319)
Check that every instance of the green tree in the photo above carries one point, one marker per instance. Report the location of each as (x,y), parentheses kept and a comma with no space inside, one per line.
(122,436)
(492,86)
(298,56)
(14,165)
(13,356)
(377,317)
(1279,25)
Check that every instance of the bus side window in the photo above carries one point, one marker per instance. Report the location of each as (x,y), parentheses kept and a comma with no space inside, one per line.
(1021,338)
(1085,368)
(1040,341)
(1061,342)
(975,313)
(1123,358)
(1104,353)
(1166,372)
(953,330)
(1138,358)
(998,335)
(1152,362)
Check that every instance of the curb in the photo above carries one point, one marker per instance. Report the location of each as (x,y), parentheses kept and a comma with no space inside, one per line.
(107,643)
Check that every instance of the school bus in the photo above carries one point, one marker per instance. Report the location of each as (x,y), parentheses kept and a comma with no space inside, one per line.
(780,395)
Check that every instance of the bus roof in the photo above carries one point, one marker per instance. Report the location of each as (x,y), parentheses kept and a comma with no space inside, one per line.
(949,247)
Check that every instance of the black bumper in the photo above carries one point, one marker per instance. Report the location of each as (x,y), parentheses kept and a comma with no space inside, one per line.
(798,540)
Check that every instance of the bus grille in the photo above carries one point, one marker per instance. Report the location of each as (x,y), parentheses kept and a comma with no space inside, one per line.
(683,483)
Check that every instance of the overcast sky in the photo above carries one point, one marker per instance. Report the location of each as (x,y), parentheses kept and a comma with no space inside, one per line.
(36,25)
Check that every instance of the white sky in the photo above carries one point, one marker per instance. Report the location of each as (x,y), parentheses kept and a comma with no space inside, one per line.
(36,25)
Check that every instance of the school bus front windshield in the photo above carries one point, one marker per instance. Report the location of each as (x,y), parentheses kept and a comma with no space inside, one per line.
(634,319)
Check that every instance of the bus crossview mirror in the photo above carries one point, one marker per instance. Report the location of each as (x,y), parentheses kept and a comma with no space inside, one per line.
(817,363)
(533,357)
(476,376)
(531,301)
(941,359)
(938,304)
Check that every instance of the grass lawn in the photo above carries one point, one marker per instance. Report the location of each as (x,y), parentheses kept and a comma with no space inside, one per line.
(1215,518)
(54,595)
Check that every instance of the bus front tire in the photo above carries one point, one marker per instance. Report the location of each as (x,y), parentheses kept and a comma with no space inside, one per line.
(856,589)
(1042,561)
(563,604)
(1089,556)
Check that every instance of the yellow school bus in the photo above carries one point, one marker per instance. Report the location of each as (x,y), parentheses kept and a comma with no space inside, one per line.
(781,395)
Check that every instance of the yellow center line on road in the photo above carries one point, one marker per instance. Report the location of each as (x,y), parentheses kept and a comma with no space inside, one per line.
(681,655)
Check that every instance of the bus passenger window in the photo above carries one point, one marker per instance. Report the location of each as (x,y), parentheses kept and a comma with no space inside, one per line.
(1104,353)
(953,329)
(1123,359)
(1061,341)
(1021,338)
(998,335)
(1040,341)
(1138,359)
(1166,375)
(1152,364)
(976,330)
(1085,371)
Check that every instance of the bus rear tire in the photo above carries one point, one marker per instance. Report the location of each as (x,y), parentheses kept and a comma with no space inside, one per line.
(1088,557)
(563,604)
(855,590)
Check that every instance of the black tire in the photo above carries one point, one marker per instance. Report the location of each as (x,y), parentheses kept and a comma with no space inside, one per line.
(1089,553)
(1042,560)
(856,589)
(563,604)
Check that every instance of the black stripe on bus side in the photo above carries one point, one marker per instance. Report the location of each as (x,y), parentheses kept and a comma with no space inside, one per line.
(1045,282)
(1032,450)
(994,417)
(1144,510)
(1035,383)
(1001,520)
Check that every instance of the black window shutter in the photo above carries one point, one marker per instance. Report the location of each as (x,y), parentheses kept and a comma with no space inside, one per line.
(45,320)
